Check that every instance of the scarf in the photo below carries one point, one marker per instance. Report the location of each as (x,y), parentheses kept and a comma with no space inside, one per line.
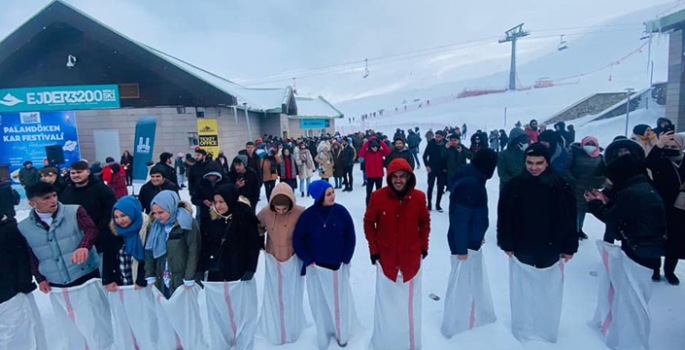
(132,208)
(157,237)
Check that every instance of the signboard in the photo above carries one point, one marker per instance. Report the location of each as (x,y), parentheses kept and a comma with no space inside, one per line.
(25,136)
(143,146)
(52,98)
(208,136)
(315,123)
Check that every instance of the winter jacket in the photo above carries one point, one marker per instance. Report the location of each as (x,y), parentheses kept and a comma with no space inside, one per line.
(325,160)
(584,173)
(8,199)
(97,199)
(195,175)
(279,228)
(667,180)
(183,253)
(179,165)
(205,191)
(234,242)
(305,164)
(373,161)
(429,136)
(404,153)
(168,172)
(350,155)
(126,163)
(432,156)
(149,191)
(338,162)
(397,228)
(324,236)
(532,134)
(118,184)
(537,216)
(15,267)
(413,140)
(28,176)
(293,167)
(636,211)
(269,168)
(563,133)
(560,159)
(454,159)
(468,211)
(253,162)
(223,163)
(111,267)
(511,163)
(252,188)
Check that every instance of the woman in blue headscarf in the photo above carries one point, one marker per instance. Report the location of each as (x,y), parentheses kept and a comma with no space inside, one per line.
(172,249)
(125,265)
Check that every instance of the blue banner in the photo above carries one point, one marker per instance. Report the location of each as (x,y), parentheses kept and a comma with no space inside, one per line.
(143,146)
(25,136)
(51,98)
(314,123)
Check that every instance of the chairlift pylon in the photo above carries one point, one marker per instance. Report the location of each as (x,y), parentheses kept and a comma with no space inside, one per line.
(366,68)
(562,44)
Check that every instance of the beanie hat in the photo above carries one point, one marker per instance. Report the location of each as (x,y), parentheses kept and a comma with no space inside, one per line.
(201,151)
(399,138)
(485,161)
(640,129)
(538,150)
(440,132)
(240,159)
(374,143)
(318,188)
(49,170)
(157,169)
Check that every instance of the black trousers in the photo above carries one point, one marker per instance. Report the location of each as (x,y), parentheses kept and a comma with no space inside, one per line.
(348,180)
(129,177)
(539,261)
(441,178)
(378,182)
(269,187)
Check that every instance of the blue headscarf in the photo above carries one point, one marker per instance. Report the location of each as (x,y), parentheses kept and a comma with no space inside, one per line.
(157,237)
(132,208)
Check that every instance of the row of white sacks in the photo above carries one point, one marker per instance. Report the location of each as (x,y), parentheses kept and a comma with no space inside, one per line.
(145,319)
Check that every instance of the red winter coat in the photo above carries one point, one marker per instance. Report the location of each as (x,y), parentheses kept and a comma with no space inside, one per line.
(397,229)
(118,184)
(373,161)
(532,134)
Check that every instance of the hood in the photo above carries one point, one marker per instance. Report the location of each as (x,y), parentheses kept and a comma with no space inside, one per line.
(663,120)
(637,152)
(561,125)
(401,164)
(285,190)
(241,158)
(213,168)
(515,133)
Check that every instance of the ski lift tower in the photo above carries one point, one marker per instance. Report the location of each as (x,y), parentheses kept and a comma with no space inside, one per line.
(512,35)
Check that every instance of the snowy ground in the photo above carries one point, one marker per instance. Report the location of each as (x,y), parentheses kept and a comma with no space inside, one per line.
(668,303)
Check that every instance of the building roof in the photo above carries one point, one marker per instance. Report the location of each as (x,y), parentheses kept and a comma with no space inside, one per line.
(276,100)
(315,108)
(666,23)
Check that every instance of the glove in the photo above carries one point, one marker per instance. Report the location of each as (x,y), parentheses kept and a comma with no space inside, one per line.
(247,276)
(374,258)
(424,253)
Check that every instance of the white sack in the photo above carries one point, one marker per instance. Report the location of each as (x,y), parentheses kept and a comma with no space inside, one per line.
(20,324)
(282,318)
(134,318)
(468,302)
(180,325)
(622,313)
(83,316)
(397,316)
(232,314)
(330,298)
(536,296)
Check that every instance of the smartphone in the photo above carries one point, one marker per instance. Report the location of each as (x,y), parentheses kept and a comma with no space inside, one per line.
(669,128)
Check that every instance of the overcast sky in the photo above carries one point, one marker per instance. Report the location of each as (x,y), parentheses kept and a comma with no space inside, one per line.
(247,39)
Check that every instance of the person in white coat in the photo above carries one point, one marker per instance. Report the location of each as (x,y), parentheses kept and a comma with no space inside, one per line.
(305,167)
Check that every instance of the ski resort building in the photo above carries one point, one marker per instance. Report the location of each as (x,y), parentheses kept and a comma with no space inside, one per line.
(68,80)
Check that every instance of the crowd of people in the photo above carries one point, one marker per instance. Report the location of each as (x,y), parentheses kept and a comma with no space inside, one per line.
(84,224)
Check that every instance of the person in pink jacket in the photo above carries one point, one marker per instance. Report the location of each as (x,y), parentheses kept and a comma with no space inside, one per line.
(373,153)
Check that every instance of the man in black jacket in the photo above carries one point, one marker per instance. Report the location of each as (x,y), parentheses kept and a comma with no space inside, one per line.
(156,184)
(349,155)
(435,166)
(537,214)
(413,142)
(198,170)
(96,198)
(245,179)
(167,163)
(400,151)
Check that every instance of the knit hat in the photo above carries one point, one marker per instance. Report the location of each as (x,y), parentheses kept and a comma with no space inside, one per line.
(157,169)
(318,188)
(240,159)
(537,150)
(201,151)
(485,161)
(400,138)
(48,170)
(28,162)
(640,129)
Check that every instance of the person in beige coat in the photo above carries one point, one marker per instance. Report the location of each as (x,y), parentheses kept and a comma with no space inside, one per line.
(278,220)
(305,167)
(325,159)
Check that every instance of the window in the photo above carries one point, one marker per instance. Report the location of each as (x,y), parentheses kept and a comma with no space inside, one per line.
(193,139)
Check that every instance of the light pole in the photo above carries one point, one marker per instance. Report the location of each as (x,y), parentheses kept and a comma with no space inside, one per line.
(629,91)
(505,117)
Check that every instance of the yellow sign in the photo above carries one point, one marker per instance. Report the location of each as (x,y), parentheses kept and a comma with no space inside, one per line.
(208,136)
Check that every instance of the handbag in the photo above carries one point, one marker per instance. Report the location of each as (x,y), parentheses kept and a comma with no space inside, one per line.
(214,261)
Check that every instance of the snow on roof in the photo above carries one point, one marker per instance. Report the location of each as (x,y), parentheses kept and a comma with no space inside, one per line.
(316,108)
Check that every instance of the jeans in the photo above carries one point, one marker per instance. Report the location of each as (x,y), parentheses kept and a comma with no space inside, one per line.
(179,178)
(378,182)
(441,186)
(338,182)
(364,175)
(269,187)
(304,189)
(415,152)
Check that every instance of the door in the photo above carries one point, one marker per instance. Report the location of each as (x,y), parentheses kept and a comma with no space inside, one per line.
(107,145)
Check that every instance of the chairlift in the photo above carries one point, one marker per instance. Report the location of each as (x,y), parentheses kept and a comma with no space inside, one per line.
(366,68)
(645,36)
(562,44)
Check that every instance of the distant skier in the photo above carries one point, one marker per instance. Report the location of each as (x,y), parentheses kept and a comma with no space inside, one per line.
(464,131)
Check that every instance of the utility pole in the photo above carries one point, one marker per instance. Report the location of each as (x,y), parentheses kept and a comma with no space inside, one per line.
(505,117)
(629,92)
(512,35)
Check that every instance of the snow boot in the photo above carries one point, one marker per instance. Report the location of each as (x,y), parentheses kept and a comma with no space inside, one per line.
(302,193)
(439,209)
(581,235)
(430,206)
(656,276)
(672,279)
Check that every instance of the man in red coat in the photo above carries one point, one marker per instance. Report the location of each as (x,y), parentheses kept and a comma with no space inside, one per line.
(373,153)
(397,225)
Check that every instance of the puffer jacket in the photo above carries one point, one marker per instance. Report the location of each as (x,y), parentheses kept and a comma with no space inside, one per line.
(584,173)
(398,229)
(279,228)
(373,161)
